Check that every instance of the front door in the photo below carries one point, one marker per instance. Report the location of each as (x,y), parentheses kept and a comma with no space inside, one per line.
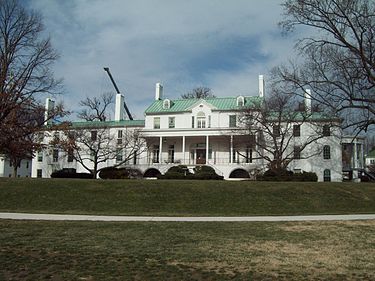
(200,156)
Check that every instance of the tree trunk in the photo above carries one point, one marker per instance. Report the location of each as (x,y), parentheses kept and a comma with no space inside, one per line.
(15,169)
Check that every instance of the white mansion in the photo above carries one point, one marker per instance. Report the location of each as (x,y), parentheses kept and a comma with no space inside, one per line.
(195,132)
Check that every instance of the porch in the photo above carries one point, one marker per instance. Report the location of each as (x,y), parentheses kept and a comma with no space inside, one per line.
(200,150)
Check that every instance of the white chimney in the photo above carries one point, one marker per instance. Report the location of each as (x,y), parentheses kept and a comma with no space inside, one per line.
(159,91)
(119,107)
(50,104)
(261,86)
(308,101)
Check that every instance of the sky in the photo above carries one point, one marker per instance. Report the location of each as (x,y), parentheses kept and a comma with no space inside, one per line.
(220,44)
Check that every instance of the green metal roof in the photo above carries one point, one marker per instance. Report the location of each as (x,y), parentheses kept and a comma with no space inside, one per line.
(301,116)
(95,124)
(184,105)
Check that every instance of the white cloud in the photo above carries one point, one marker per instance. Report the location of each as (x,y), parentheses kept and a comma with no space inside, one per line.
(180,43)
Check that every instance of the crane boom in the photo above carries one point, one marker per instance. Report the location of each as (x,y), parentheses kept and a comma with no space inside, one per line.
(106,69)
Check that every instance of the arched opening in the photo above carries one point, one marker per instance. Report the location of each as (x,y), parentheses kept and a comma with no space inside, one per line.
(327,175)
(151,173)
(239,174)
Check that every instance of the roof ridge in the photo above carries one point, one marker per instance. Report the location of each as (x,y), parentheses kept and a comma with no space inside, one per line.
(228,97)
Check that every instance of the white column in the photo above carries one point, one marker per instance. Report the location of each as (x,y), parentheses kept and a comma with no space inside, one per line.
(207,148)
(355,162)
(355,154)
(160,148)
(231,149)
(183,150)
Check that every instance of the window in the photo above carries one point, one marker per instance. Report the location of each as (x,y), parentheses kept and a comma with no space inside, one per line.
(71,135)
(171,154)
(296,130)
(39,173)
(135,157)
(40,137)
(232,121)
(27,164)
(56,136)
(70,155)
(119,156)
(249,155)
(276,131)
(192,121)
(156,122)
(327,175)
(252,141)
(119,134)
(94,135)
(155,154)
(55,155)
(171,122)
(209,121)
(326,152)
(40,156)
(372,161)
(201,120)
(297,152)
(326,131)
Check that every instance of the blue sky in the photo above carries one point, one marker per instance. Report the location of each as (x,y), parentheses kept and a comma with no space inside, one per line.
(223,45)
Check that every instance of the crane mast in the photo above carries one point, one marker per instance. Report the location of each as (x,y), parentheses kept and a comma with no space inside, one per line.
(106,69)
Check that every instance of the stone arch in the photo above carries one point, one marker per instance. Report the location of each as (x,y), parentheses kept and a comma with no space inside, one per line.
(239,173)
(151,173)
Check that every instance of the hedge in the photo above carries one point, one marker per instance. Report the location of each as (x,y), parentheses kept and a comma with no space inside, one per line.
(285,175)
(119,173)
(200,173)
(70,173)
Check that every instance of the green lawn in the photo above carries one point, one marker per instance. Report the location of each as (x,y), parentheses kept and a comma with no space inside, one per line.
(184,198)
(187,251)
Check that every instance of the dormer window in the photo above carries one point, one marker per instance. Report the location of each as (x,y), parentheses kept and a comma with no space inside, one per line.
(240,101)
(166,104)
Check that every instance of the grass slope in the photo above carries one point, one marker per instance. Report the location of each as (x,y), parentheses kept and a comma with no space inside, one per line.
(184,198)
(187,251)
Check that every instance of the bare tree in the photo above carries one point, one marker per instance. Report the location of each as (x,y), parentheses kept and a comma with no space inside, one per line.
(96,107)
(199,93)
(337,57)
(280,133)
(25,61)
(93,142)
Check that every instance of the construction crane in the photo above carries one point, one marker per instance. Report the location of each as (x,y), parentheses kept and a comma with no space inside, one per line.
(118,91)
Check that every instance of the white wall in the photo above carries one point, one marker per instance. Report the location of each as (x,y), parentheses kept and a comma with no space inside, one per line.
(7,171)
